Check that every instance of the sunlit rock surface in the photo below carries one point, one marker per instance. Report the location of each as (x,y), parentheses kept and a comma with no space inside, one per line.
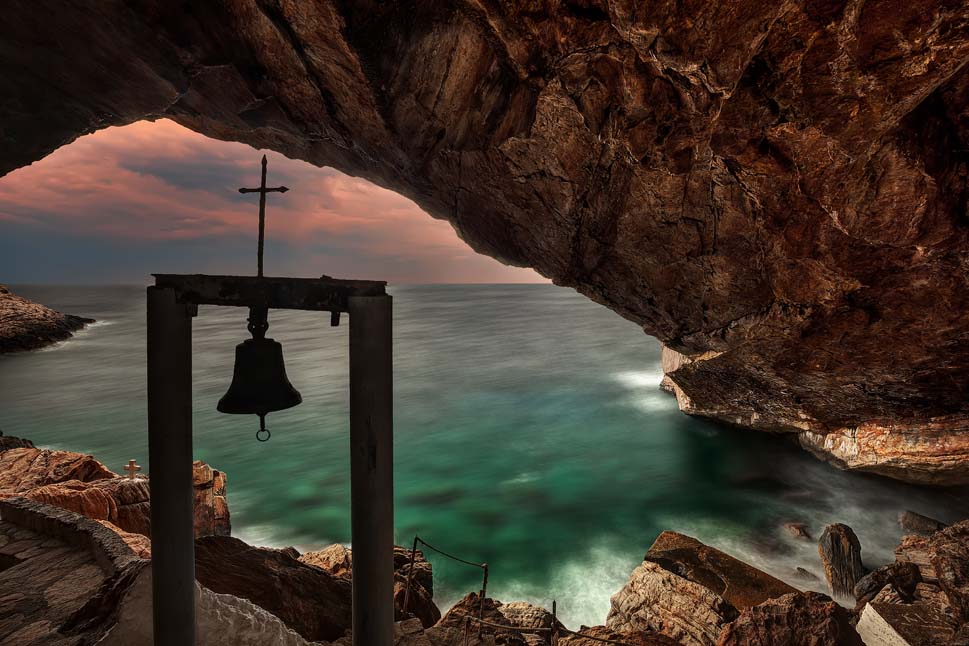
(775,190)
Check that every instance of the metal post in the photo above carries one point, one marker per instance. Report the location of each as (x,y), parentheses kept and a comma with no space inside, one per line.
(170,466)
(410,578)
(371,470)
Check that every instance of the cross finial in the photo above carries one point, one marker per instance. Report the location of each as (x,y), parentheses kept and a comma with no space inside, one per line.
(131,468)
(262,190)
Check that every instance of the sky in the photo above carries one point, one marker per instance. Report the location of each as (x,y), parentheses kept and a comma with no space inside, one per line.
(154,197)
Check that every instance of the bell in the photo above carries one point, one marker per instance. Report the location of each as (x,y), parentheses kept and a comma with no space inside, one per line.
(259,382)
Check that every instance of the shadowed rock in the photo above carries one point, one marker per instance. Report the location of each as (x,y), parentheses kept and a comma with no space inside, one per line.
(312,602)
(773,190)
(798,619)
(919,524)
(338,560)
(840,554)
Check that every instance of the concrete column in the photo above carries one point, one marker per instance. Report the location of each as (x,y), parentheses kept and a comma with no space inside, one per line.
(170,467)
(372,470)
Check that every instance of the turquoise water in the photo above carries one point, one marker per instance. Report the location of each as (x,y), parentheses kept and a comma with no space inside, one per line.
(530,433)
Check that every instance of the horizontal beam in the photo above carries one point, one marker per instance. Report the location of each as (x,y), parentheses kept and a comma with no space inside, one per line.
(316,294)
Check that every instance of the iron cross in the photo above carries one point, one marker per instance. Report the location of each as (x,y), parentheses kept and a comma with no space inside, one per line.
(262,190)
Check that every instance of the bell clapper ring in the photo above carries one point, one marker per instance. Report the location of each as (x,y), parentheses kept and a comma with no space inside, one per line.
(263,429)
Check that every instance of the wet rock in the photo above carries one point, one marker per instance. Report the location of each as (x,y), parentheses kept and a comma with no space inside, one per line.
(919,524)
(798,619)
(902,577)
(25,325)
(338,561)
(840,554)
(798,530)
(805,575)
(312,602)
(773,190)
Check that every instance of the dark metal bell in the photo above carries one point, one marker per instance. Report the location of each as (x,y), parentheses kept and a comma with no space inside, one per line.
(259,383)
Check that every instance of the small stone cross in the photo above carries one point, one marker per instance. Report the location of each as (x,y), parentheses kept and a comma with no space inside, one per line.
(131,468)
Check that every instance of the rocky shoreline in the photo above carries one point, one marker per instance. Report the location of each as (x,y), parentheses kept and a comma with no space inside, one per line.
(683,593)
(25,325)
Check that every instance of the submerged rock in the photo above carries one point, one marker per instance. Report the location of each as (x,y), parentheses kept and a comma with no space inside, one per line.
(25,325)
(798,530)
(840,554)
(797,619)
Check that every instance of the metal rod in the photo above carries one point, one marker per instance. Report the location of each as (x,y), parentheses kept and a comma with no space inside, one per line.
(410,578)
(262,213)
(484,592)
(371,470)
(170,466)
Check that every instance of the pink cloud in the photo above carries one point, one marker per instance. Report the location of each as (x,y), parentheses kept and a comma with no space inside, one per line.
(160,181)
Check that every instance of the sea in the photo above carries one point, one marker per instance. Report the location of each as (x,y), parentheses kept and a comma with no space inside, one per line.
(530,434)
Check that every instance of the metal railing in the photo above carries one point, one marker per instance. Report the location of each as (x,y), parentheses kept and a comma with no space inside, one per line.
(553,632)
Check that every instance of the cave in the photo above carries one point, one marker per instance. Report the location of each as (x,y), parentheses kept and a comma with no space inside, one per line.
(777,192)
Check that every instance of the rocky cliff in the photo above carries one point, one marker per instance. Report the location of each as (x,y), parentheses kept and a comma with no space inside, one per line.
(777,191)
(25,325)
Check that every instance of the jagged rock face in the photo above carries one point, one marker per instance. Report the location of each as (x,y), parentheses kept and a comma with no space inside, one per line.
(338,560)
(309,600)
(25,325)
(797,619)
(775,190)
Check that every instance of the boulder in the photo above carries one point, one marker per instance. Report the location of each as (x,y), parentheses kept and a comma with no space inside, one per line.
(902,577)
(915,624)
(688,591)
(840,554)
(338,561)
(657,600)
(739,583)
(919,524)
(798,619)
(314,603)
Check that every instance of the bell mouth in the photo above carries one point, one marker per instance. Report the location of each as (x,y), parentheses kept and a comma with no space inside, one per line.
(259,382)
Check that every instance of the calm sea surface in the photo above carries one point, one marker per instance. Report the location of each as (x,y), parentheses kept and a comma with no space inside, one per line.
(530,434)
